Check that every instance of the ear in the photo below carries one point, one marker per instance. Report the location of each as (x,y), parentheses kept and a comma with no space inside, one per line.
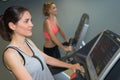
(12,25)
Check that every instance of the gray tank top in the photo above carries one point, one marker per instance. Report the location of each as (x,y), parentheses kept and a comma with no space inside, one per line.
(35,65)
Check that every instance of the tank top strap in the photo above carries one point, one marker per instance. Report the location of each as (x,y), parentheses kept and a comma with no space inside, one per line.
(18,50)
(34,53)
(31,47)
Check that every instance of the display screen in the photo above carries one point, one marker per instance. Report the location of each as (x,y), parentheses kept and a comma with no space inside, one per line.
(102,53)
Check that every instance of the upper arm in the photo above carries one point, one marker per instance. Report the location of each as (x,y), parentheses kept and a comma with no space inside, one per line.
(13,61)
(47,27)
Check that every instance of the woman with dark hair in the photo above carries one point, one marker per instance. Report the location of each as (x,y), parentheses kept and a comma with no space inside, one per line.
(50,29)
(21,56)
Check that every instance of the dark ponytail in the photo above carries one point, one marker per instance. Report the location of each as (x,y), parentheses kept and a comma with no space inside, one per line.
(11,14)
(3,31)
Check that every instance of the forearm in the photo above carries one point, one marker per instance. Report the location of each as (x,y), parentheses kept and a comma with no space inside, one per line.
(57,42)
(55,62)
(63,35)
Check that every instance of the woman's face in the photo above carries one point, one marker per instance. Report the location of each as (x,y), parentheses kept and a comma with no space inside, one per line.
(24,25)
(53,9)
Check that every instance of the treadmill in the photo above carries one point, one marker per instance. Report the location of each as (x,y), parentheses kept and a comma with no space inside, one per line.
(100,57)
(76,42)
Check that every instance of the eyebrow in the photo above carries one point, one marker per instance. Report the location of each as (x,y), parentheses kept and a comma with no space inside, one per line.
(28,18)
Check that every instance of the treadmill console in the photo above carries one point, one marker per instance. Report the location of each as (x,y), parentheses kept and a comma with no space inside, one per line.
(101,57)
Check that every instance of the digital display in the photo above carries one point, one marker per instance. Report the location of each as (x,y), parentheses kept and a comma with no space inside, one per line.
(102,53)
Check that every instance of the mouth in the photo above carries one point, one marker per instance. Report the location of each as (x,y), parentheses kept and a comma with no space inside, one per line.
(30,30)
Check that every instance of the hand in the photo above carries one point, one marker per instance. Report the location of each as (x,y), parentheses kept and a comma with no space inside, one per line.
(68,48)
(75,67)
(67,40)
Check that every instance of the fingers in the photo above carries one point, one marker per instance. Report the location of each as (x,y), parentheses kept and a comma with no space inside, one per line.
(82,69)
(78,67)
(74,70)
(68,48)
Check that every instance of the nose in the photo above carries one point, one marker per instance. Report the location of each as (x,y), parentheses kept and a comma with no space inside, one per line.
(31,24)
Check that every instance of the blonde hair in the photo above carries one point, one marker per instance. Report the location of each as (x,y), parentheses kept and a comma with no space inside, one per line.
(46,7)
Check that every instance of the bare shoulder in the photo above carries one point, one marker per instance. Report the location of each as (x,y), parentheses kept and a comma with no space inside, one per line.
(11,57)
(46,25)
(46,21)
(10,53)
(14,62)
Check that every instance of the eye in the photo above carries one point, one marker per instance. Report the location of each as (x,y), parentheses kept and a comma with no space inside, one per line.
(54,7)
(26,21)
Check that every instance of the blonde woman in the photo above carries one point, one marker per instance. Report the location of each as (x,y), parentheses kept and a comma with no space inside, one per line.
(51,28)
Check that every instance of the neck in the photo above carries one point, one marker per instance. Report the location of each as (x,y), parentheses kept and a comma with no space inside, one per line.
(18,40)
(52,18)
